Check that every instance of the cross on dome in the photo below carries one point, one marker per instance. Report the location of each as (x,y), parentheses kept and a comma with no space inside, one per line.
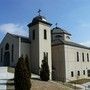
(56,24)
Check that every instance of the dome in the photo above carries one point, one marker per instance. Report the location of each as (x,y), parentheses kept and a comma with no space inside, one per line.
(59,30)
(39,18)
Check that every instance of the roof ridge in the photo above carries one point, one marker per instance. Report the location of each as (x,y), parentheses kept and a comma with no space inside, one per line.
(61,30)
(16,35)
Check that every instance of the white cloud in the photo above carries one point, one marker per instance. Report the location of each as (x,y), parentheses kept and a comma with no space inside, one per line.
(85,26)
(13,28)
(86,43)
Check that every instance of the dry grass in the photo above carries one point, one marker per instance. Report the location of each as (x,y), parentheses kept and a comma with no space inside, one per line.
(41,85)
(80,81)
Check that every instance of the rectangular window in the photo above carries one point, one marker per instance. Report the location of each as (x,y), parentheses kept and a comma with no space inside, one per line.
(78,73)
(72,74)
(87,57)
(83,72)
(83,57)
(77,56)
(33,34)
(88,72)
(45,34)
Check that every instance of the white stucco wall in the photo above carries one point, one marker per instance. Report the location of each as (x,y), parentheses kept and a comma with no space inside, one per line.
(10,40)
(58,62)
(45,45)
(67,55)
(34,50)
(71,63)
(25,49)
(39,46)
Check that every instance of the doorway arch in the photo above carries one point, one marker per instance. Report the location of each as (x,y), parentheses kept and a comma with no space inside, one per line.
(7,58)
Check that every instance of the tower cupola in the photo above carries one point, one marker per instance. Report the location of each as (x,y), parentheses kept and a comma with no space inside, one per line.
(38,19)
(60,34)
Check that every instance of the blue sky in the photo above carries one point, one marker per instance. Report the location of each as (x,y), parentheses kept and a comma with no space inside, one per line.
(71,15)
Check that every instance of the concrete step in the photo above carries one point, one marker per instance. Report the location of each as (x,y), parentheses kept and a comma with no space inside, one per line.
(35,76)
(6,73)
(7,84)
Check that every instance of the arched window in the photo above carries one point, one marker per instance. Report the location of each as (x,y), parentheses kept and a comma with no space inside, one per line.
(72,74)
(12,51)
(7,46)
(1,54)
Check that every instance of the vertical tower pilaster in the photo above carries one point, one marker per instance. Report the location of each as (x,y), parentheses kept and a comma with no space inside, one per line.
(40,37)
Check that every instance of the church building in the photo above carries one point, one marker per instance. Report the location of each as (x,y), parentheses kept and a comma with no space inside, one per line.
(67,60)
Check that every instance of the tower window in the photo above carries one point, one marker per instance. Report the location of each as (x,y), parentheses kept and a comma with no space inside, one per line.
(45,34)
(83,57)
(33,34)
(77,56)
(72,74)
(87,57)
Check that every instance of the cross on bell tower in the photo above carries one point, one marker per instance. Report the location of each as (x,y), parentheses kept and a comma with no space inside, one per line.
(39,12)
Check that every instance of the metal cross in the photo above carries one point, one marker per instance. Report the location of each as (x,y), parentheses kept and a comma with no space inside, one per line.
(39,12)
(56,24)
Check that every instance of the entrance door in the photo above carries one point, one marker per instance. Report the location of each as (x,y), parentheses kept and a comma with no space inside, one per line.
(88,73)
(7,59)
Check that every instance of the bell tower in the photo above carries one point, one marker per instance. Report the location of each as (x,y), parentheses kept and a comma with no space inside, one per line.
(40,37)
